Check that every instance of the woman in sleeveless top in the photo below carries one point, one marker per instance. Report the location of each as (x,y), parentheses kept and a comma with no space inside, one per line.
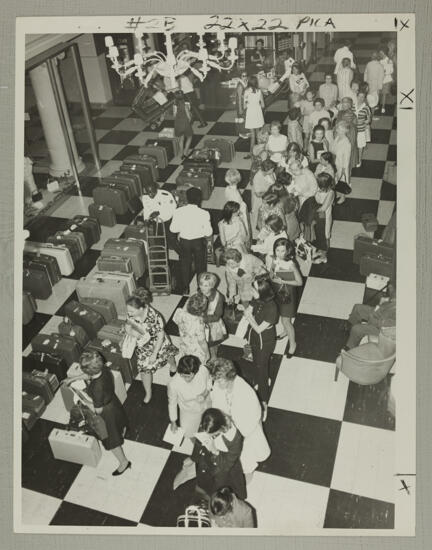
(317,146)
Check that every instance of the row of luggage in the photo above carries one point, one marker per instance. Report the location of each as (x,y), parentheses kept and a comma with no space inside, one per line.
(373,256)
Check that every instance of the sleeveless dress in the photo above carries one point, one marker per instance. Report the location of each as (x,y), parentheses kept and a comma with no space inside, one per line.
(254,115)
(286,295)
(182,125)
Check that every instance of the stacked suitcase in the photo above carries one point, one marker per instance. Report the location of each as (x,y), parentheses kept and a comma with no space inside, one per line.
(373,256)
(225,146)
(200,177)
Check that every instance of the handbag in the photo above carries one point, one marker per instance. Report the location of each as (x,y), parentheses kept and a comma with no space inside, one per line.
(92,420)
(195,516)
(217,331)
(343,187)
(128,346)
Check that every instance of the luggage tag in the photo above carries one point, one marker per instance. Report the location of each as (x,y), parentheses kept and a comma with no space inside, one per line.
(46,342)
(25,415)
(100,208)
(72,227)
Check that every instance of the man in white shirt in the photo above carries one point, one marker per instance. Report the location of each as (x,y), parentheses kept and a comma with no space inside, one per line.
(193,226)
(388,67)
(187,88)
(341,53)
(328,92)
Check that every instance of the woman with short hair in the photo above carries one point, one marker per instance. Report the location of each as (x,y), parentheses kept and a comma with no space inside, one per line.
(227,510)
(190,321)
(217,333)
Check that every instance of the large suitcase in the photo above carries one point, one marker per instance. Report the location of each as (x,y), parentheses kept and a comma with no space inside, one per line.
(200,179)
(225,146)
(114,359)
(142,162)
(135,205)
(147,181)
(125,278)
(113,331)
(166,143)
(365,246)
(114,263)
(57,344)
(29,307)
(67,328)
(103,213)
(70,243)
(33,407)
(55,364)
(37,385)
(111,196)
(75,447)
(111,289)
(90,227)
(49,262)
(103,306)
(132,179)
(211,157)
(135,232)
(91,321)
(156,151)
(130,248)
(76,235)
(376,264)
(37,283)
(59,252)
(127,185)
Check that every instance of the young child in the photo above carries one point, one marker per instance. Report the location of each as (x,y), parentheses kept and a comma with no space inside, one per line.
(270,205)
(306,108)
(273,230)
(294,128)
(232,179)
(344,78)
(317,146)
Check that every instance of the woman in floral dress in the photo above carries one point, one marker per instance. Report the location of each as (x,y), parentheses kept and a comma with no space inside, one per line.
(192,328)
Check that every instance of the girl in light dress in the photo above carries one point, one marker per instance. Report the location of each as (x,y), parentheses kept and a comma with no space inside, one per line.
(254,106)
(192,330)
(232,193)
(344,78)
(232,230)
(273,230)
(307,108)
(364,117)
(294,128)
(277,143)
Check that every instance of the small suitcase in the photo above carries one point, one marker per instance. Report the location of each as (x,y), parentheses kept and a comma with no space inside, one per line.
(104,214)
(90,227)
(37,385)
(55,364)
(125,278)
(225,147)
(201,180)
(66,328)
(114,263)
(56,344)
(132,179)
(126,185)
(75,234)
(33,407)
(37,283)
(111,196)
(50,377)
(113,331)
(138,231)
(29,307)
(158,152)
(114,359)
(142,161)
(135,205)
(131,248)
(75,447)
(59,252)
(113,289)
(376,264)
(174,140)
(49,262)
(103,306)
(369,222)
(365,246)
(70,243)
(166,143)
(91,321)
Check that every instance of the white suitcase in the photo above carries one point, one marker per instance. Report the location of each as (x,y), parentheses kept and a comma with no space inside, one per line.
(116,276)
(75,447)
(60,253)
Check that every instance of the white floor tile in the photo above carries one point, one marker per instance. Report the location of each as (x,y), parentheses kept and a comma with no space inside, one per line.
(228,116)
(107,151)
(365,188)
(74,206)
(285,504)
(52,325)
(308,387)
(375,151)
(37,508)
(60,293)
(385,211)
(124,496)
(116,112)
(131,125)
(365,462)
(141,138)
(109,233)
(330,298)
(166,305)
(185,448)
(107,169)
(56,410)
(343,234)
(393,137)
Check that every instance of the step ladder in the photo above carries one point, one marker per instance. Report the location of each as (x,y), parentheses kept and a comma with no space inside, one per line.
(157,254)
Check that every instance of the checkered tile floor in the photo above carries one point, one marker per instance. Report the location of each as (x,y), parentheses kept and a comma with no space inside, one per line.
(332,442)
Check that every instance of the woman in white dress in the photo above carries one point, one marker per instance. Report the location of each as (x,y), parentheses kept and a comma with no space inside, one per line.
(254,105)
(234,396)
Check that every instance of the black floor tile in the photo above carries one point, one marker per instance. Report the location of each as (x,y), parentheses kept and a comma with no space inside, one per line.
(367,405)
(212,115)
(41,472)
(119,137)
(394,123)
(106,123)
(388,191)
(378,233)
(369,169)
(348,511)
(85,264)
(392,153)
(269,116)
(223,129)
(353,209)
(303,446)
(33,328)
(45,226)
(87,185)
(126,218)
(380,136)
(242,145)
(72,514)
(165,173)
(162,511)
(339,267)
(126,151)
(319,338)
(215,217)
(147,423)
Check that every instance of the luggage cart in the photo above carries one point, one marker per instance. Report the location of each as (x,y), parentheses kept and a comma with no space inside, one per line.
(157,254)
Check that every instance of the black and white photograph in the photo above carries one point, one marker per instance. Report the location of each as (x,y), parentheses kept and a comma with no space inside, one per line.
(207,230)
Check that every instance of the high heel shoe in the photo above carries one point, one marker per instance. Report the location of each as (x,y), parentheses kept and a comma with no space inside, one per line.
(117,473)
(289,354)
(172,372)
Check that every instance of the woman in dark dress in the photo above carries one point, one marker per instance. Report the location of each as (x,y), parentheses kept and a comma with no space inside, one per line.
(182,122)
(263,316)
(100,387)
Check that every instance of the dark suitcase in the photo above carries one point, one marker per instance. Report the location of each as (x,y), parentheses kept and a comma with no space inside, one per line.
(114,263)
(33,407)
(37,283)
(50,377)
(103,213)
(75,236)
(133,179)
(225,147)
(29,307)
(209,156)
(365,246)
(55,364)
(114,360)
(166,143)
(113,331)
(202,180)
(90,227)
(66,328)
(369,222)
(57,344)
(129,248)
(60,253)
(126,186)
(71,244)
(111,196)
(158,152)
(144,174)
(143,161)
(37,385)
(91,321)
(50,262)
(106,285)
(138,231)
(103,306)
(376,264)
(174,140)
(135,205)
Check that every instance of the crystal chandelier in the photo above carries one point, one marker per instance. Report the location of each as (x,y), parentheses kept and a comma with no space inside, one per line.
(171,66)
